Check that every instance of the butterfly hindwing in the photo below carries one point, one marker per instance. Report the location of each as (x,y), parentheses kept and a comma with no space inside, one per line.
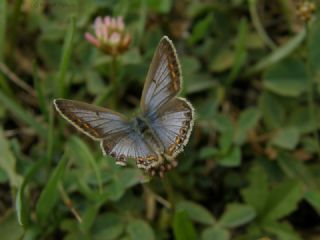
(163,80)
(115,132)
(173,123)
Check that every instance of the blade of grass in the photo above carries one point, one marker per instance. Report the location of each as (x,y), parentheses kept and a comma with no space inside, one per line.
(279,53)
(8,162)
(3,23)
(80,150)
(22,115)
(240,51)
(50,138)
(39,93)
(50,193)
(14,21)
(22,208)
(65,59)
(258,25)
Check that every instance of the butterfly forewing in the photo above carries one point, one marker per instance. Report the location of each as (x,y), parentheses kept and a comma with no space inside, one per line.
(163,79)
(115,132)
(94,121)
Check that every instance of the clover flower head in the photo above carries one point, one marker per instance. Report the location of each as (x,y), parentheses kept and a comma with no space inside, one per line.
(110,35)
(305,10)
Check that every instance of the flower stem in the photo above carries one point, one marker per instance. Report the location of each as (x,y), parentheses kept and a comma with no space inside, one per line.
(114,81)
(110,92)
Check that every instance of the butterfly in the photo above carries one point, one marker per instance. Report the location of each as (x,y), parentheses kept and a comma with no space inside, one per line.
(155,136)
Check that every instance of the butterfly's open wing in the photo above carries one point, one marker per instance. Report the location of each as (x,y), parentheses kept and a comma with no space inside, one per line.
(171,118)
(173,124)
(163,79)
(113,129)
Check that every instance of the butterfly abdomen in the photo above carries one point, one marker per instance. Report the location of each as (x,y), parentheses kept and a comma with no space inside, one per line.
(149,136)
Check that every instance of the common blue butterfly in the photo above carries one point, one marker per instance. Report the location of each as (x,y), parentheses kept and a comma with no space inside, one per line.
(154,137)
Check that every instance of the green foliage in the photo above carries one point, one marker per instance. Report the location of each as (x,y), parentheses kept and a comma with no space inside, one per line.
(251,167)
(183,227)
(49,194)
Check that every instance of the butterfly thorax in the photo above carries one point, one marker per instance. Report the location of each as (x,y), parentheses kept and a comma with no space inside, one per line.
(142,126)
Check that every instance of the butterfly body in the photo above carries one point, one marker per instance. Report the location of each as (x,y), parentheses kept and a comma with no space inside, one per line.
(153,138)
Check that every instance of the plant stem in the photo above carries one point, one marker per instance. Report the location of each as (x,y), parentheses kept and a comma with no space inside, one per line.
(114,81)
(114,86)
(310,96)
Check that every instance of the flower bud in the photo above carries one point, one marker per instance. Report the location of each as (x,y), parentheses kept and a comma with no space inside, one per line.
(110,35)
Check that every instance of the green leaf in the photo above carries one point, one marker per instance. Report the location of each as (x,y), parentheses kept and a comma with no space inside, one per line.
(286,138)
(139,229)
(295,169)
(225,142)
(49,195)
(279,53)
(222,123)
(130,177)
(256,193)
(201,28)
(282,200)
(95,83)
(215,233)
(196,212)
(303,119)
(272,109)
(8,162)
(237,214)
(160,6)
(89,217)
(207,152)
(79,150)
(283,231)
(183,228)
(240,53)
(313,198)
(287,78)
(222,61)
(247,121)
(108,226)
(10,229)
(22,114)
(232,158)
(65,58)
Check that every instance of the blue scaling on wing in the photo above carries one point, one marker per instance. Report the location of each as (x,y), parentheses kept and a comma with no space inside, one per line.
(114,130)
(130,145)
(173,124)
(163,79)
(98,123)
